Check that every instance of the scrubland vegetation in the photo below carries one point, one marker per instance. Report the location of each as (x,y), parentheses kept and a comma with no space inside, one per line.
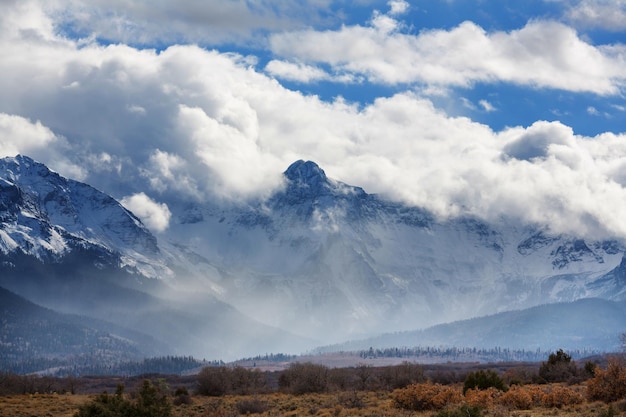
(557,387)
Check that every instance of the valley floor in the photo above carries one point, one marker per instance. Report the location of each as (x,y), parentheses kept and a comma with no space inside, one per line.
(337,404)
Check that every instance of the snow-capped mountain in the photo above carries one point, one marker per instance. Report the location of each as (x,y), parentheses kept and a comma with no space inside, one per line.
(317,262)
(50,217)
(325,259)
(73,249)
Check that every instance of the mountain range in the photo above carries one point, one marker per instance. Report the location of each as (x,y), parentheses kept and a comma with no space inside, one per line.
(317,262)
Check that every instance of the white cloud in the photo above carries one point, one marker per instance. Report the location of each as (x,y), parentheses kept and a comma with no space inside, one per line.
(486,106)
(541,54)
(296,71)
(156,216)
(212,126)
(187,21)
(398,7)
(605,14)
(19,135)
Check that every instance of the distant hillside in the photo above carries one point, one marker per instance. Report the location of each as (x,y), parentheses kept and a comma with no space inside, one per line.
(546,327)
(34,338)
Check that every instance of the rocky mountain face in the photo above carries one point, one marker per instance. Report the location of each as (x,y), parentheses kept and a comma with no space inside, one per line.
(75,250)
(327,260)
(318,262)
(49,217)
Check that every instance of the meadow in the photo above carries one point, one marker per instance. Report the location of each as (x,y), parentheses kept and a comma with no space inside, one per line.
(306,389)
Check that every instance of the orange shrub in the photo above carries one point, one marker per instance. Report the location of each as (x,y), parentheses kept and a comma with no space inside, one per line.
(559,396)
(608,385)
(426,396)
(536,393)
(516,397)
(483,398)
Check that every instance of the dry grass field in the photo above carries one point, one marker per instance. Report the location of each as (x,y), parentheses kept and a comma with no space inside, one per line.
(557,387)
(354,403)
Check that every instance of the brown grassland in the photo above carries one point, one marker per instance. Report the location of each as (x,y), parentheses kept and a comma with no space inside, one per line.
(558,387)
(363,404)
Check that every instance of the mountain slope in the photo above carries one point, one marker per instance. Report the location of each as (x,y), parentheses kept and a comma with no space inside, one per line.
(47,216)
(29,333)
(328,260)
(583,324)
(317,262)
(71,248)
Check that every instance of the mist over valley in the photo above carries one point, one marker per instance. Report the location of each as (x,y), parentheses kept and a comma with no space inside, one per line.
(317,262)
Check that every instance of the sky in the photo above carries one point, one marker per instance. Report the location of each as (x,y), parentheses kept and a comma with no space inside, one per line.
(488,108)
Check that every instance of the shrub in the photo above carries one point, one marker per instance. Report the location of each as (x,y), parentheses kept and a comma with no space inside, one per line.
(403,375)
(181,396)
(610,412)
(426,396)
(150,402)
(522,397)
(213,381)
(483,398)
(463,411)
(216,381)
(560,396)
(608,385)
(518,398)
(303,378)
(520,375)
(253,406)
(558,368)
(483,380)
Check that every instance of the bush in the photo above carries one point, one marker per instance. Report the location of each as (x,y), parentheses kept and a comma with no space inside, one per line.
(215,381)
(521,375)
(558,368)
(150,402)
(463,411)
(483,380)
(608,385)
(483,398)
(253,406)
(181,396)
(560,396)
(304,378)
(426,396)
(403,375)
(517,398)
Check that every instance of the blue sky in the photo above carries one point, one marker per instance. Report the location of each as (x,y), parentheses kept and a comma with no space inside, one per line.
(492,108)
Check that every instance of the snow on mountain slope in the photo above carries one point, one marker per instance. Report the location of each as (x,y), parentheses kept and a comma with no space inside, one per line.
(47,216)
(70,248)
(320,259)
(327,260)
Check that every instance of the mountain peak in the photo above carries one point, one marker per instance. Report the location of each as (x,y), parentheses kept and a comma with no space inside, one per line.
(306,172)
(19,165)
(21,160)
(307,179)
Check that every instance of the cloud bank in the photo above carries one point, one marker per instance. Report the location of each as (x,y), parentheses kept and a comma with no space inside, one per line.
(186,123)
(541,54)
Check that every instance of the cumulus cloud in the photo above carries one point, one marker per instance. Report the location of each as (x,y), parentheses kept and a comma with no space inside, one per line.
(296,71)
(398,7)
(207,21)
(299,72)
(604,14)
(19,135)
(156,216)
(541,54)
(186,123)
